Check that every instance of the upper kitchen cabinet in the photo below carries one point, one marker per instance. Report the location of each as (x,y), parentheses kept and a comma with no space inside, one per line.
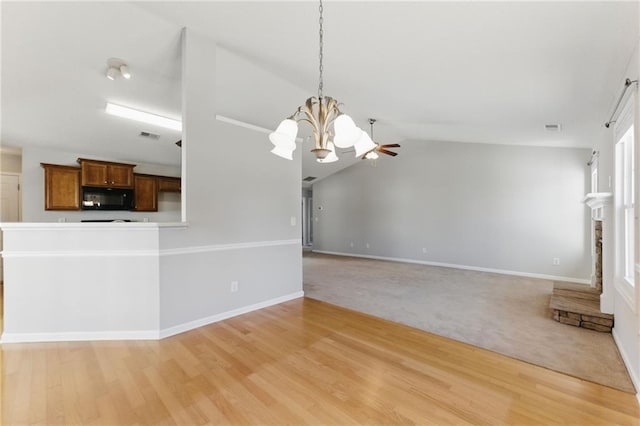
(146,193)
(169,184)
(61,187)
(106,173)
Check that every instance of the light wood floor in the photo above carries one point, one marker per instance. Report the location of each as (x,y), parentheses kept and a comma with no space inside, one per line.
(301,362)
(1,305)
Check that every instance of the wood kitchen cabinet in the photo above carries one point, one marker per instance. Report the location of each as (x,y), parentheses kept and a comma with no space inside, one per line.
(106,173)
(169,184)
(63,184)
(146,193)
(61,187)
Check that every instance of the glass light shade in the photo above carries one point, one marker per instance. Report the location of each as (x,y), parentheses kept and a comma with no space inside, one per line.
(285,134)
(124,70)
(112,73)
(283,152)
(346,133)
(364,144)
(331,157)
(371,155)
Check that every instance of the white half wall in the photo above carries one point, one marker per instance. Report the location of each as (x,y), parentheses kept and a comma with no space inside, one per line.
(497,207)
(77,281)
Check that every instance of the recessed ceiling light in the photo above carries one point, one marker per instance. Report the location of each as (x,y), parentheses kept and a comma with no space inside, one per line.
(142,116)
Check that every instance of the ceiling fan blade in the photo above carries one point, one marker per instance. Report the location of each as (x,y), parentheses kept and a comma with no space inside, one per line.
(384,151)
(391,145)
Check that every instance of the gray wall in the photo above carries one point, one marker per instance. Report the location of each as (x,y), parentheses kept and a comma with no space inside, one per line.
(239,200)
(511,208)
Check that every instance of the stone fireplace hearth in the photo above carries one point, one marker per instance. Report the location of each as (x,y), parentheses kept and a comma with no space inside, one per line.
(597,233)
(579,304)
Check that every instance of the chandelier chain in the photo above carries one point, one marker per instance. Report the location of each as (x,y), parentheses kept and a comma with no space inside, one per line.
(321,54)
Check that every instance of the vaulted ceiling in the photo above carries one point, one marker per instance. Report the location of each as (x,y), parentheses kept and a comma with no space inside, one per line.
(452,71)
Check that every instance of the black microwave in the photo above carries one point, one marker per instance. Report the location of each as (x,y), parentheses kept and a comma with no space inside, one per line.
(94,198)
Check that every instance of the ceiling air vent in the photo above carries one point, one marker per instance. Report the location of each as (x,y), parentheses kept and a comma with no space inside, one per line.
(309,179)
(149,135)
(552,127)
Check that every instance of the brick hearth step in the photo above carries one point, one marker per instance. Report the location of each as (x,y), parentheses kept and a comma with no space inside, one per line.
(580,291)
(575,304)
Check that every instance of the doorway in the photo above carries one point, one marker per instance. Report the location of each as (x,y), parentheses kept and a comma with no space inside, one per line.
(9,212)
(10,197)
(307,218)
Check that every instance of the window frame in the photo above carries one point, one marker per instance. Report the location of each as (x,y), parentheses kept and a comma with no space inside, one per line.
(625,205)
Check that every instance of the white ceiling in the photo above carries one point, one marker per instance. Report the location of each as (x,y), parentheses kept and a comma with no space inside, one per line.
(453,71)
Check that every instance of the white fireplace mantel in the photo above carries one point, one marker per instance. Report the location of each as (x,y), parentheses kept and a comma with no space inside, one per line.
(600,203)
(596,200)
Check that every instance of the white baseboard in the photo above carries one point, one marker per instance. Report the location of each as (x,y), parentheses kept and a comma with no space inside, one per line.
(466,267)
(627,362)
(181,328)
(74,336)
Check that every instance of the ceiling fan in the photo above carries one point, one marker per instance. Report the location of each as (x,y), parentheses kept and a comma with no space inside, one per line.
(372,155)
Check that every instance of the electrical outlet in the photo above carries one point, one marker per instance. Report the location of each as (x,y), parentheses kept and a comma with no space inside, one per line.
(234,286)
(424,250)
(368,245)
(351,244)
(556,260)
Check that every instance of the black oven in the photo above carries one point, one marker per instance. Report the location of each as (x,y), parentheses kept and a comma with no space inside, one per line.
(94,198)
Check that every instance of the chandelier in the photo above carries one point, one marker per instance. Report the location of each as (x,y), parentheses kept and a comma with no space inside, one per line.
(331,128)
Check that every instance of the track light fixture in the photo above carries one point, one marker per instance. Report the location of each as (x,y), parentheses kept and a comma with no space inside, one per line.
(117,67)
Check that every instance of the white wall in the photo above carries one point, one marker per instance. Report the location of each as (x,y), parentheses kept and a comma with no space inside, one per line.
(626,312)
(33,189)
(508,208)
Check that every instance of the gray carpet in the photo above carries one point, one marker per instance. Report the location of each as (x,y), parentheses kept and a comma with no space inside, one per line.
(502,313)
